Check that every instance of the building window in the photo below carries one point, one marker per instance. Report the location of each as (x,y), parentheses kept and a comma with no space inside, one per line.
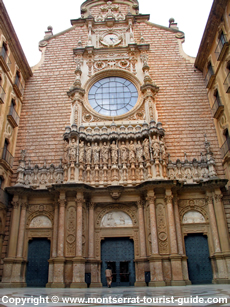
(217,107)
(226,146)
(2,92)
(4,59)
(6,155)
(209,76)
(113,96)
(13,115)
(18,87)
(227,80)
(221,46)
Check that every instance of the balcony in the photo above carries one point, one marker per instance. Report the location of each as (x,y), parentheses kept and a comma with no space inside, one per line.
(209,77)
(225,148)
(4,198)
(222,47)
(4,60)
(18,87)
(217,107)
(6,158)
(13,117)
(227,83)
(2,95)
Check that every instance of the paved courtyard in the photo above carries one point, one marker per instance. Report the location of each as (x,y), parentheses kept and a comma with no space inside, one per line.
(201,295)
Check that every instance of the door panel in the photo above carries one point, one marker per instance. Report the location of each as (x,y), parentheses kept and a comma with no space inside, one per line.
(118,253)
(37,266)
(199,264)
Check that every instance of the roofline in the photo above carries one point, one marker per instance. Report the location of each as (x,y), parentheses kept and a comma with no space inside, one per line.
(215,15)
(12,39)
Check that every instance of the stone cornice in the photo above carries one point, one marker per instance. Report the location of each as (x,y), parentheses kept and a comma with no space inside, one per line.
(213,22)
(13,41)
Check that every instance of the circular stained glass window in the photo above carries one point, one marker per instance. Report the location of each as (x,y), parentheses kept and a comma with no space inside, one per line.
(113,96)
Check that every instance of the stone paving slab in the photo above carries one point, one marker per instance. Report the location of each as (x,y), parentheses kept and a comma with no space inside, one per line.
(43,297)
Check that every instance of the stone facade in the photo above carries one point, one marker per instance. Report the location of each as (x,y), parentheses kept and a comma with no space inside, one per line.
(152,174)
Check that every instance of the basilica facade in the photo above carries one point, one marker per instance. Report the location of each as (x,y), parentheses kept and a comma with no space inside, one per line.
(117,161)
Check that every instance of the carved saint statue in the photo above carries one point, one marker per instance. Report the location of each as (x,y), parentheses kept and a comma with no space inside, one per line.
(146,149)
(105,152)
(72,150)
(123,152)
(96,154)
(156,148)
(132,154)
(163,149)
(81,152)
(88,154)
(113,147)
(139,152)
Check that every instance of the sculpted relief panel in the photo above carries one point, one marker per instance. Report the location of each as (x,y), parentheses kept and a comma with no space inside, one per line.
(116,219)
(40,221)
(193,217)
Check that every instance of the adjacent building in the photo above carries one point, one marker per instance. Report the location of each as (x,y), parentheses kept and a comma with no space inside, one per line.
(213,60)
(117,161)
(14,71)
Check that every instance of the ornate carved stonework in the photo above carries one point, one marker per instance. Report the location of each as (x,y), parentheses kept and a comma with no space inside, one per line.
(120,215)
(162,229)
(193,217)
(193,205)
(35,211)
(70,231)
(40,221)
(116,219)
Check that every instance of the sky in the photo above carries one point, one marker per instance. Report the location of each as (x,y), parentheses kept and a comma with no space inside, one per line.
(31,18)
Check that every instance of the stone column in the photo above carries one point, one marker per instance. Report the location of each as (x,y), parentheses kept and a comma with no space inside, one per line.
(222,229)
(180,243)
(8,261)
(94,264)
(221,274)
(221,222)
(155,260)
(141,263)
(176,265)
(59,261)
(79,262)
(141,229)
(17,278)
(54,245)
(91,230)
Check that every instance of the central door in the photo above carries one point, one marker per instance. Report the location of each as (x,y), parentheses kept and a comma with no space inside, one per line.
(38,265)
(118,253)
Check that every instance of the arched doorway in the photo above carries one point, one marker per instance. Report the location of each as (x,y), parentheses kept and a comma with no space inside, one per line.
(38,265)
(118,253)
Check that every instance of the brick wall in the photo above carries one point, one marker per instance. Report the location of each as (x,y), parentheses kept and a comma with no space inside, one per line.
(182,101)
